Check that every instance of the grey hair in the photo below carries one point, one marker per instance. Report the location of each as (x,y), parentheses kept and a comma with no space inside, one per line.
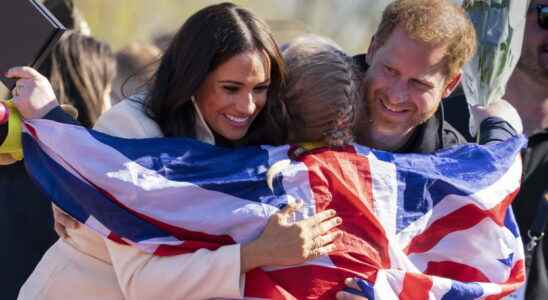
(322,91)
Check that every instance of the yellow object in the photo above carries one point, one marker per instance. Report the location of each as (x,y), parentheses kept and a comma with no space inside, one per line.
(312,145)
(12,145)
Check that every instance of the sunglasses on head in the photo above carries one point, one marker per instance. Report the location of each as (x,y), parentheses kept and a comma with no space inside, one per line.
(542,14)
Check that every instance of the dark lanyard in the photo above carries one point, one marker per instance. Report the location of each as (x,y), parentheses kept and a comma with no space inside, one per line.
(536,231)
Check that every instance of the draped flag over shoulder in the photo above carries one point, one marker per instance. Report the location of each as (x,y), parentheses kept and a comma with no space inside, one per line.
(414,226)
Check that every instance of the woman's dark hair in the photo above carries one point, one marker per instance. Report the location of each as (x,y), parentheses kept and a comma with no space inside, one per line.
(80,70)
(206,40)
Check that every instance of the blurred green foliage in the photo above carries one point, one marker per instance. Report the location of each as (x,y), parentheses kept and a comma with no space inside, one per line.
(349,22)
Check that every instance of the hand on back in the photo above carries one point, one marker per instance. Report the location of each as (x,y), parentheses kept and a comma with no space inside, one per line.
(284,243)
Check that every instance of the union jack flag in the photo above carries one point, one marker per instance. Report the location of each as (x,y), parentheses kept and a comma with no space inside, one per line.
(414,226)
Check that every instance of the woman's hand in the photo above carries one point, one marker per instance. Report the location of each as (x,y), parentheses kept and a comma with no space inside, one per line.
(62,221)
(356,290)
(33,95)
(284,243)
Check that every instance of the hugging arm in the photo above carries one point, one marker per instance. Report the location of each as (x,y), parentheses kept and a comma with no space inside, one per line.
(208,274)
(497,121)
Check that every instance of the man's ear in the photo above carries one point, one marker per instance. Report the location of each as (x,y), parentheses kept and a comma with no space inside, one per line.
(452,85)
(372,50)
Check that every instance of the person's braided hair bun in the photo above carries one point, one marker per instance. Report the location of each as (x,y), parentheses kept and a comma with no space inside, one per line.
(323,92)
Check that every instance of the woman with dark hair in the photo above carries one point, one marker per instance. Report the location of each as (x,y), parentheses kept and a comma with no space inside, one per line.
(218,82)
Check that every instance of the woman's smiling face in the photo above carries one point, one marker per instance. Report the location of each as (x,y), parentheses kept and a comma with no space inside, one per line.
(234,94)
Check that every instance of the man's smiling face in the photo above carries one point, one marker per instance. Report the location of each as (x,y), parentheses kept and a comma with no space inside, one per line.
(404,85)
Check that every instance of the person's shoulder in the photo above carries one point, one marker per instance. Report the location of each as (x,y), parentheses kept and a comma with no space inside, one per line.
(540,137)
(537,148)
(128,119)
(133,106)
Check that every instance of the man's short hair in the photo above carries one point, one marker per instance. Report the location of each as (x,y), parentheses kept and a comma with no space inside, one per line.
(433,22)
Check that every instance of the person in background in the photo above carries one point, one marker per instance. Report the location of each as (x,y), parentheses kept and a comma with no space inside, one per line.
(26,221)
(68,14)
(162,40)
(527,88)
(81,70)
(136,65)
(527,91)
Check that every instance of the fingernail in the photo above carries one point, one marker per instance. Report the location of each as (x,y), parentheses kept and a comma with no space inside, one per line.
(338,220)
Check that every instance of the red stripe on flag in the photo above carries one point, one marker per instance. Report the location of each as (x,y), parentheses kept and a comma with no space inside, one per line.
(178,232)
(515,281)
(342,181)
(184,248)
(456,271)
(498,213)
(116,238)
(463,218)
(204,240)
(312,282)
(415,287)
(260,285)
(200,239)
(31,130)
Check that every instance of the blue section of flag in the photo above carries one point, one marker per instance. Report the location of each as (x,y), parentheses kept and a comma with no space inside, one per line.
(425,180)
(508,261)
(463,291)
(62,188)
(367,290)
(422,182)
(241,173)
(510,222)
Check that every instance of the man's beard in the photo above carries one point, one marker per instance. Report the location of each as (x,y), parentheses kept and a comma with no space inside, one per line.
(368,109)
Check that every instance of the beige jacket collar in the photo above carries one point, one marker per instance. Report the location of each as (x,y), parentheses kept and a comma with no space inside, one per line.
(203,133)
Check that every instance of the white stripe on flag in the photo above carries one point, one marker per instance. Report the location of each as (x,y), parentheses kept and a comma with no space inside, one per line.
(440,287)
(482,254)
(297,187)
(385,193)
(136,186)
(485,199)
(322,261)
(53,154)
(388,284)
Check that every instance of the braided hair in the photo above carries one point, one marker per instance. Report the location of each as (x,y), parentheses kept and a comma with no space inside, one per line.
(322,92)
